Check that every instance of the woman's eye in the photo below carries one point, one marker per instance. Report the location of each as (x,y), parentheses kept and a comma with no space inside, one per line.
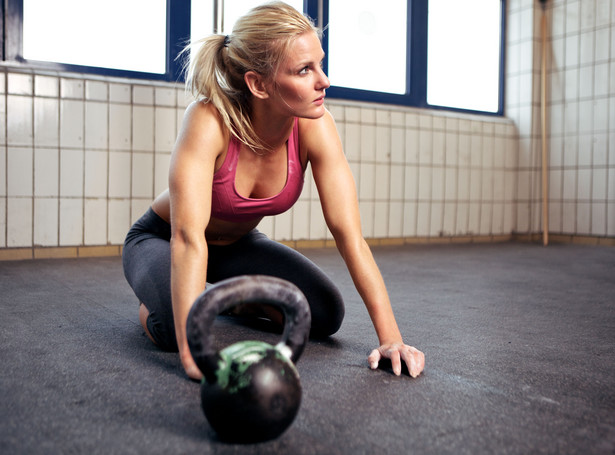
(304,70)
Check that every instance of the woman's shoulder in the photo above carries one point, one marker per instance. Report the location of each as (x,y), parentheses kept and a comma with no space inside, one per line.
(204,120)
(202,129)
(313,124)
(203,111)
(319,132)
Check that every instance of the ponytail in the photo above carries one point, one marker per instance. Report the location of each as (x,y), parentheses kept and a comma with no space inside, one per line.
(209,79)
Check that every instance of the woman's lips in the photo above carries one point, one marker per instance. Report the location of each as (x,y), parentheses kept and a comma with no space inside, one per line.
(319,100)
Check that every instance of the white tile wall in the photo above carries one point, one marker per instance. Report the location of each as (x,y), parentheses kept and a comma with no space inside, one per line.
(95,222)
(72,88)
(45,221)
(46,124)
(161,169)
(142,175)
(2,176)
(120,171)
(3,222)
(119,93)
(71,221)
(2,111)
(19,121)
(396,221)
(96,125)
(46,172)
(422,163)
(70,151)
(71,123)
(71,172)
(283,226)
(20,167)
(19,222)
(96,173)
(120,126)
(20,84)
(46,86)
(142,94)
(143,128)
(119,220)
(580,110)
(96,91)
(165,129)
(301,219)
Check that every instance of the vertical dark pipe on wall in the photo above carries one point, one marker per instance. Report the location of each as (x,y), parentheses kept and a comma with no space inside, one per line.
(543,125)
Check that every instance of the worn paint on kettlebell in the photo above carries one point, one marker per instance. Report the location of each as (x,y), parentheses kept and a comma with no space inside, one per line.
(235,360)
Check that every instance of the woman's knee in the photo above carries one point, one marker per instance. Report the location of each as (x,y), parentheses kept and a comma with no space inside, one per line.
(327,317)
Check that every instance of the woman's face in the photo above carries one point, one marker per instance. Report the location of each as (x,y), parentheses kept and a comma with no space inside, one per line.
(299,86)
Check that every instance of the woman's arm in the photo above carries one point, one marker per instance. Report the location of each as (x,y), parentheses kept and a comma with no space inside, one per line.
(337,191)
(199,143)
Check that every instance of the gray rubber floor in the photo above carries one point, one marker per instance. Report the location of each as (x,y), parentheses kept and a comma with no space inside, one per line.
(519,342)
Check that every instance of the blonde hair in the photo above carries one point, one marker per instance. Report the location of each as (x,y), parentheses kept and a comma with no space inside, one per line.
(258,43)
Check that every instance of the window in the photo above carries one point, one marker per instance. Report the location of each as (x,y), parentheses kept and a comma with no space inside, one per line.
(101,36)
(125,38)
(368,30)
(201,18)
(464,72)
(442,54)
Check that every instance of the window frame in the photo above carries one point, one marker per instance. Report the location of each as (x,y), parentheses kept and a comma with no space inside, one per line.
(178,34)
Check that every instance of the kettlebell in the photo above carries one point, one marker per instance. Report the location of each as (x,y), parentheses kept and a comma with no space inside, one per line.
(251,390)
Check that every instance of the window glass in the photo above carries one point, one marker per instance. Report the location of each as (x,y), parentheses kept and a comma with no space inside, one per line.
(367,45)
(201,18)
(119,34)
(234,9)
(463,56)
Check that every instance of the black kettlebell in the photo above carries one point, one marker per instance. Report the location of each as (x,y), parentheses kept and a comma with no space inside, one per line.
(251,390)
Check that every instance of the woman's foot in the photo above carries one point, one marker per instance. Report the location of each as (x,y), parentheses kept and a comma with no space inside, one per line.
(143,314)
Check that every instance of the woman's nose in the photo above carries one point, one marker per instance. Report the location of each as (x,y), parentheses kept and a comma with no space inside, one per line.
(323,80)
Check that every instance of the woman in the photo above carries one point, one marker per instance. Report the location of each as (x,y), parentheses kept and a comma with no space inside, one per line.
(244,145)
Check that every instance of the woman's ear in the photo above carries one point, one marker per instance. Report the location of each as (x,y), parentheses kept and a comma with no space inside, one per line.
(256,84)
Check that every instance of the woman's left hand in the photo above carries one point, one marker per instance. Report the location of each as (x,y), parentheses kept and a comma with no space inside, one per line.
(396,352)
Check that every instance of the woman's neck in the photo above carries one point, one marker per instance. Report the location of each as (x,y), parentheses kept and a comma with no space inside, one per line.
(272,130)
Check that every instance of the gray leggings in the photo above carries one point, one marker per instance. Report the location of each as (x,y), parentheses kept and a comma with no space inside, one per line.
(147,267)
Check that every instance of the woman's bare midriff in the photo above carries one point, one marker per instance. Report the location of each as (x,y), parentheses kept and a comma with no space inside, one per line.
(221,232)
(218,232)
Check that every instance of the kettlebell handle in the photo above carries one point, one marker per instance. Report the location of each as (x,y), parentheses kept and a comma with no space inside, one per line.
(246,289)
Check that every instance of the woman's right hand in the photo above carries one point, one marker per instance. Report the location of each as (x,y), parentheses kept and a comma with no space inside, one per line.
(190,367)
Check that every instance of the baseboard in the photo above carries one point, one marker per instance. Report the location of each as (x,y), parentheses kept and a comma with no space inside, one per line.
(18,254)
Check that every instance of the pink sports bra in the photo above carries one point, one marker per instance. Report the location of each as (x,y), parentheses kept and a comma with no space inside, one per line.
(228,205)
